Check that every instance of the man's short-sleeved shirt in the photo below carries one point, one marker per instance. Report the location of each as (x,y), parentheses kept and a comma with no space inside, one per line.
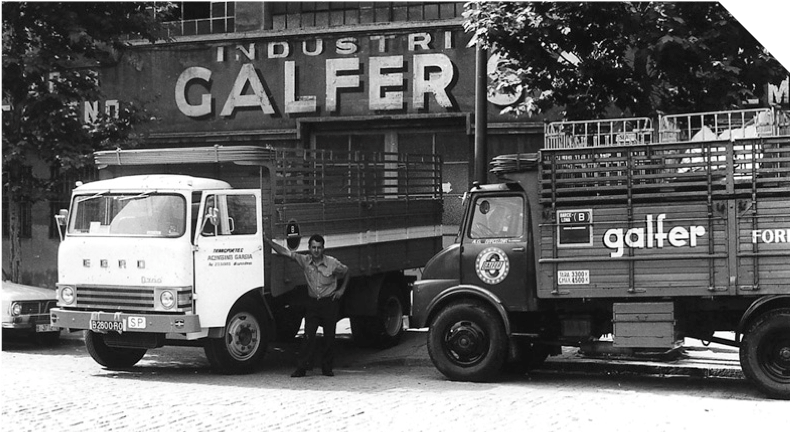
(322,276)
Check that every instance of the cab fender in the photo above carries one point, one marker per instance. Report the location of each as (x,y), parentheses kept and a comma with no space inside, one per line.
(468,292)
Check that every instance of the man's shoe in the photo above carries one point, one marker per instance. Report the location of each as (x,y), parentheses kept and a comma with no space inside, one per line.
(298,373)
(327,372)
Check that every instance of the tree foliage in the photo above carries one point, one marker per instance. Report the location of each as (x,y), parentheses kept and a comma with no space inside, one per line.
(50,54)
(640,58)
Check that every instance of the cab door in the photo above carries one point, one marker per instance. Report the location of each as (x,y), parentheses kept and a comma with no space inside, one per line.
(494,247)
(229,252)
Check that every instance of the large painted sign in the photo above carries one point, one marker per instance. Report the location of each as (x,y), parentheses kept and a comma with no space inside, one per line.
(271,82)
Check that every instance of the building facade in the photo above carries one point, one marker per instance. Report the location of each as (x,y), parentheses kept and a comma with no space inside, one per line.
(347,76)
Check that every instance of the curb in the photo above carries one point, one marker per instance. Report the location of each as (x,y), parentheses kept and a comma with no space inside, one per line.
(591,366)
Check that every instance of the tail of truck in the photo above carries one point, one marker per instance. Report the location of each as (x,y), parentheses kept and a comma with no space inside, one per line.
(380,214)
(635,238)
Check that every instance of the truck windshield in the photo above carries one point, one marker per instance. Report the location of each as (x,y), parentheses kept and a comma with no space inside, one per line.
(497,217)
(136,214)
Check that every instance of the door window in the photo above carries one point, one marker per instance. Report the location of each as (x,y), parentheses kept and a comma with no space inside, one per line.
(497,217)
(229,215)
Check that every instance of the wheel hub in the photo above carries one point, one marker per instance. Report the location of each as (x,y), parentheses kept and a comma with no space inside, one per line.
(466,343)
(243,336)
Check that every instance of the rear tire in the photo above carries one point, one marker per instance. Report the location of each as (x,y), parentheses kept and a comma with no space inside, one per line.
(243,346)
(111,357)
(467,342)
(386,329)
(764,353)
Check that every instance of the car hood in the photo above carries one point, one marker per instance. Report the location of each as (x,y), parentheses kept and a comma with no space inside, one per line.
(22,292)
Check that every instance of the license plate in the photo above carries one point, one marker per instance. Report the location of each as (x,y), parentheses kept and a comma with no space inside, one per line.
(45,328)
(567,278)
(108,325)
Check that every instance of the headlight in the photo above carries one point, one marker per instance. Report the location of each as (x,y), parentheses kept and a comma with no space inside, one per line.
(67,295)
(167,299)
(16,309)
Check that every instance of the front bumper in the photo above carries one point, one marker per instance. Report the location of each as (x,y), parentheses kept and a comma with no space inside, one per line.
(131,322)
(31,322)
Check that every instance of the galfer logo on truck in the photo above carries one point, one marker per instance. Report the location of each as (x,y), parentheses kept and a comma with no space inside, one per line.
(652,236)
(492,265)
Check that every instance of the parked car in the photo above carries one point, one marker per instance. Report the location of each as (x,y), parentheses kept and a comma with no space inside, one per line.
(26,312)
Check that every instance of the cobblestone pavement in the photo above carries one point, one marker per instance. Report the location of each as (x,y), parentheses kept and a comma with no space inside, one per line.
(172,389)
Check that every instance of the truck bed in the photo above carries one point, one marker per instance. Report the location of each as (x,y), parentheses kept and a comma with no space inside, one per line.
(732,197)
(379,212)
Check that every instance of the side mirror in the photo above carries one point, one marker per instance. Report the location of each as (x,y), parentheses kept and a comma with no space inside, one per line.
(214,216)
(211,222)
(61,220)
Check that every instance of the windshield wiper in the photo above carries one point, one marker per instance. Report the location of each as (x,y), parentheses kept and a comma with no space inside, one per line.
(97,195)
(144,194)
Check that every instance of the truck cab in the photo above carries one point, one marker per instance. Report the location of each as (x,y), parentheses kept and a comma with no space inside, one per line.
(144,255)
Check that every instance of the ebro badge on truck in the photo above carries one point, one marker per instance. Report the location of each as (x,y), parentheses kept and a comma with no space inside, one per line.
(626,236)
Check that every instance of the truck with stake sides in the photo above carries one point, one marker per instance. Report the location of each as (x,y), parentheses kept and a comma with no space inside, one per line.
(167,248)
(621,236)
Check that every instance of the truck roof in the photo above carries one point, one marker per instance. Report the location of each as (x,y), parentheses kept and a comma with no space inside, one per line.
(154,182)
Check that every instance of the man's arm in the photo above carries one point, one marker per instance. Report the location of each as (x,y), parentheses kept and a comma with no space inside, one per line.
(339,291)
(279,249)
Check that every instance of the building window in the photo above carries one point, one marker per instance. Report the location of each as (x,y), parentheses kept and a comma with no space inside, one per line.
(293,15)
(202,18)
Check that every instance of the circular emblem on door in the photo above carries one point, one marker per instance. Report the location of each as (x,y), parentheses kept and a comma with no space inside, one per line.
(492,265)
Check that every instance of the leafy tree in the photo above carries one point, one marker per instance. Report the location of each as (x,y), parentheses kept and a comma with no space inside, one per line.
(640,58)
(50,53)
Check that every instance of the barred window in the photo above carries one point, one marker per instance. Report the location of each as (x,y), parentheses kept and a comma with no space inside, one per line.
(292,15)
(202,18)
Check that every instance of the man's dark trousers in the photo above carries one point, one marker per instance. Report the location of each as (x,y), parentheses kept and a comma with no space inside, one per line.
(319,312)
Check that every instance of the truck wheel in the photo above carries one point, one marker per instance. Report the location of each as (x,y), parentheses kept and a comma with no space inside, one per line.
(467,341)
(764,353)
(111,357)
(529,356)
(384,330)
(241,348)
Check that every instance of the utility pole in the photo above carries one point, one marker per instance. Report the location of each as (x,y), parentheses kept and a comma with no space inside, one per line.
(481,81)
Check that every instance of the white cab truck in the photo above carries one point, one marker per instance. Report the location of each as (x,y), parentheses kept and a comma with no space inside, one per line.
(167,247)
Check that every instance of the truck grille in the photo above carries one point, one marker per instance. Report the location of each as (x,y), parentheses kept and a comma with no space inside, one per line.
(127,298)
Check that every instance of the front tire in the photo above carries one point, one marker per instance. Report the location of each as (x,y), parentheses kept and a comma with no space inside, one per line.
(467,342)
(764,353)
(111,357)
(243,346)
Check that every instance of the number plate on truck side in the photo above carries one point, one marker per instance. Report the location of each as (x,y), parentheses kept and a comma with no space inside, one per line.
(108,325)
(567,278)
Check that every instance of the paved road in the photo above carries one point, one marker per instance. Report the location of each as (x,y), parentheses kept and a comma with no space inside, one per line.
(172,389)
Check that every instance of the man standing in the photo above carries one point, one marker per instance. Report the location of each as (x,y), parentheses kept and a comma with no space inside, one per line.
(321,273)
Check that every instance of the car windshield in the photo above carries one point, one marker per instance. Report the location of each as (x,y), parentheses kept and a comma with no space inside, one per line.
(138,214)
